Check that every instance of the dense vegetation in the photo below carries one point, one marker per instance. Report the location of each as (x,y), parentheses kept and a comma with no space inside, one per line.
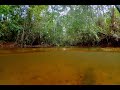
(60,25)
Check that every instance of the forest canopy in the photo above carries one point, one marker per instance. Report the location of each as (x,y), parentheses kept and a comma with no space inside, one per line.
(60,25)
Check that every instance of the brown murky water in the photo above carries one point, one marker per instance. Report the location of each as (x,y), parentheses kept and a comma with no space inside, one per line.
(61,66)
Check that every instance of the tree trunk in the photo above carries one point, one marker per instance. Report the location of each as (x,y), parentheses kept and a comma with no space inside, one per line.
(22,39)
(112,21)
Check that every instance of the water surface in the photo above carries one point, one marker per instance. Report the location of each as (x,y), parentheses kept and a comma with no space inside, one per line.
(70,66)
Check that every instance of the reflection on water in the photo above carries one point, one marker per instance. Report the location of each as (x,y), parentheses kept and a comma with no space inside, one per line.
(31,50)
(60,66)
(89,77)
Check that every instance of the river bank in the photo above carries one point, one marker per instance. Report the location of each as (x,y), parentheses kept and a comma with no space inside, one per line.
(15,45)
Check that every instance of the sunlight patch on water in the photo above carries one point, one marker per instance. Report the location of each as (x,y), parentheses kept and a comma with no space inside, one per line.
(64,49)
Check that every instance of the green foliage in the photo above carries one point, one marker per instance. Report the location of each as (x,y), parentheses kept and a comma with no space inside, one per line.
(55,24)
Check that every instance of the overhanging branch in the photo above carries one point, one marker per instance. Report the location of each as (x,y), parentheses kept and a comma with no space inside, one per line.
(118,7)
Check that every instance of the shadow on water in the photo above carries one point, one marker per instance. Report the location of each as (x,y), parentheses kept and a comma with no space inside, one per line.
(19,50)
(88,77)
